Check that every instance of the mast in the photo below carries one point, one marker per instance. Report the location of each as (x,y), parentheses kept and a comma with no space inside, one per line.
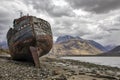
(21,14)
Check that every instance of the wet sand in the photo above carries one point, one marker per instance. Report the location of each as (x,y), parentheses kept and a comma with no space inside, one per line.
(55,69)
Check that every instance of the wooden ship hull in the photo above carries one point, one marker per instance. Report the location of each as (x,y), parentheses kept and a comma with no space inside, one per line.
(29,39)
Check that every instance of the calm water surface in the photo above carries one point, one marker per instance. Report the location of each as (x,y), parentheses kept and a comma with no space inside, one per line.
(110,61)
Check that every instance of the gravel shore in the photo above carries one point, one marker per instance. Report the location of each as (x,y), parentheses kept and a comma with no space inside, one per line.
(55,69)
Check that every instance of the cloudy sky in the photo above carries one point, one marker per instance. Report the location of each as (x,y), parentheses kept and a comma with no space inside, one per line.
(98,20)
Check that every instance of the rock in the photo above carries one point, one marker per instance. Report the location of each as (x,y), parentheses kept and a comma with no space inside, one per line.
(59,77)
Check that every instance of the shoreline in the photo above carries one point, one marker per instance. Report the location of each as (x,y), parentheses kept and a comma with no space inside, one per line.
(56,69)
(107,61)
(90,56)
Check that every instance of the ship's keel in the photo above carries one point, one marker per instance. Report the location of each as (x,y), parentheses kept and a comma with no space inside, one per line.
(35,55)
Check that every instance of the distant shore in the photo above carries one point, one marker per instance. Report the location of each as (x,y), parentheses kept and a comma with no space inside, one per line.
(55,69)
(91,56)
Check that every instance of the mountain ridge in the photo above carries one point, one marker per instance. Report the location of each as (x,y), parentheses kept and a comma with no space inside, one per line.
(68,37)
(69,45)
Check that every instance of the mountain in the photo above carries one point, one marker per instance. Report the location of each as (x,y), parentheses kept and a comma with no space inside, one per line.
(97,45)
(69,45)
(114,52)
(66,38)
(116,49)
(93,43)
(109,47)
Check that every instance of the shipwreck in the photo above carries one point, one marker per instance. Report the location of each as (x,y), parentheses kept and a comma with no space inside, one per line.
(29,39)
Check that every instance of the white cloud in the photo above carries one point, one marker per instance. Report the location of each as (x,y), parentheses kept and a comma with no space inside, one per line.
(60,3)
(66,19)
(80,12)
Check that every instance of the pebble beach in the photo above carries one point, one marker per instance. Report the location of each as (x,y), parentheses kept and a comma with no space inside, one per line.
(55,69)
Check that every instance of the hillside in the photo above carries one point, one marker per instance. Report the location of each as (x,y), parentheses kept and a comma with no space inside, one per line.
(92,42)
(97,45)
(113,52)
(69,45)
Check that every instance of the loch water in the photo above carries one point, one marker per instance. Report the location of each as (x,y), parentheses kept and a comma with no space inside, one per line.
(109,61)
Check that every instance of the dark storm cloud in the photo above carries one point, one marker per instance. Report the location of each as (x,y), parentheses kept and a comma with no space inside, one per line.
(97,6)
(47,6)
(60,11)
(111,30)
(4,21)
(40,4)
(4,17)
